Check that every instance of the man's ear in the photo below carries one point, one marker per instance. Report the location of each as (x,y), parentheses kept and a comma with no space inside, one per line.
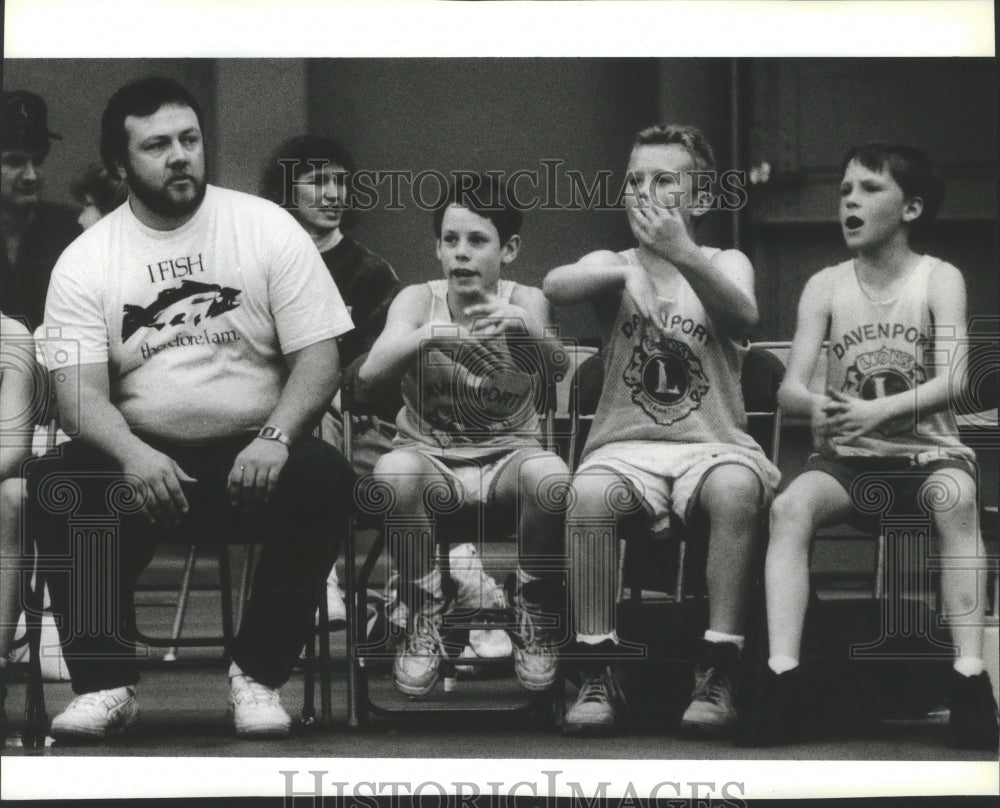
(913,208)
(509,250)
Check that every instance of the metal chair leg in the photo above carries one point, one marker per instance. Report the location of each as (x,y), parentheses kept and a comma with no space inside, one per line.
(245,577)
(36,720)
(182,601)
(226,595)
(879,588)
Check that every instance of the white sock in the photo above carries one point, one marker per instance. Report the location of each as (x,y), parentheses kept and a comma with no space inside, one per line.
(525,577)
(719,636)
(781,664)
(597,639)
(234,670)
(431,582)
(969,666)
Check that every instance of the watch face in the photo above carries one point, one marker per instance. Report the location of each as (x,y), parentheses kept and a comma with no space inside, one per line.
(273,433)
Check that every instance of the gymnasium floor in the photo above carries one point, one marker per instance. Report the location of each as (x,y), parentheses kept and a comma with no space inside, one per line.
(183,714)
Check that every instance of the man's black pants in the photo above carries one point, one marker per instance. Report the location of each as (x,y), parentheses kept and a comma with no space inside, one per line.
(84,518)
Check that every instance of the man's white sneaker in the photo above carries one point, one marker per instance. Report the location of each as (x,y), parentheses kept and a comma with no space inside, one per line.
(257,710)
(97,715)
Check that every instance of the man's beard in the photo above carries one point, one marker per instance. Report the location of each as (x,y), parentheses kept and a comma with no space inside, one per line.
(158,199)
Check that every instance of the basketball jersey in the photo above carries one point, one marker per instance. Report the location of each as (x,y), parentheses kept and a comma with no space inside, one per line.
(682,385)
(471,397)
(881,349)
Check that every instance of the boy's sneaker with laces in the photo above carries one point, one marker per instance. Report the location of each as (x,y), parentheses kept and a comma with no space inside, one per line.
(780,715)
(97,715)
(415,669)
(256,708)
(535,661)
(712,709)
(600,705)
(972,723)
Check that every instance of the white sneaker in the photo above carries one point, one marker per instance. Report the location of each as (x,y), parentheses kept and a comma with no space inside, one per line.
(476,589)
(257,710)
(490,643)
(336,609)
(97,715)
(485,644)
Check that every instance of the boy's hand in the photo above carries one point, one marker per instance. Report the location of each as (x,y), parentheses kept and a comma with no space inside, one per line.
(820,423)
(494,317)
(849,418)
(640,287)
(660,228)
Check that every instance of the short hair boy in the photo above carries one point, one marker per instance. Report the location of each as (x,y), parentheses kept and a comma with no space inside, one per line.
(879,310)
(670,423)
(469,421)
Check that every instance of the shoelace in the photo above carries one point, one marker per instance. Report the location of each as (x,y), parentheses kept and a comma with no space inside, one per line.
(425,639)
(97,698)
(527,631)
(594,690)
(713,689)
(253,692)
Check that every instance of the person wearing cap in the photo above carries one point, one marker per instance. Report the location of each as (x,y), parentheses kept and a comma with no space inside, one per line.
(205,329)
(34,232)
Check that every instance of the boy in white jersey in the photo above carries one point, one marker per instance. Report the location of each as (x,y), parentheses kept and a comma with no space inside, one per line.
(469,352)
(885,411)
(670,424)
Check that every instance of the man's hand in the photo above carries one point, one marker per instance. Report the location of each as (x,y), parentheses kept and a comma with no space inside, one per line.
(164,502)
(255,472)
(495,316)
(660,228)
(849,418)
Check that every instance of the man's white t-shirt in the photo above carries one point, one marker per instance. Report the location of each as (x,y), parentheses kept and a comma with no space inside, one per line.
(193,323)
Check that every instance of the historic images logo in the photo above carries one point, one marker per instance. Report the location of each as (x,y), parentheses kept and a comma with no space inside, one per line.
(885,372)
(666,379)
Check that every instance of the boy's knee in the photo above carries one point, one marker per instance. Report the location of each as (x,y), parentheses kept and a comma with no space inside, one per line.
(408,474)
(733,489)
(544,477)
(950,493)
(12,492)
(788,510)
(597,495)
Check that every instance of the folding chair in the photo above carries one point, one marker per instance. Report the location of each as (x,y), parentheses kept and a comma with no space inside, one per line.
(364,654)
(218,543)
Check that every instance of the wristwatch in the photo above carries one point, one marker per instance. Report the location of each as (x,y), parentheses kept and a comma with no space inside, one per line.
(274,433)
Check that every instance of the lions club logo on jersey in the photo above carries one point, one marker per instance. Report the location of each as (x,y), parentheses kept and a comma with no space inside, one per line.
(666,378)
(884,372)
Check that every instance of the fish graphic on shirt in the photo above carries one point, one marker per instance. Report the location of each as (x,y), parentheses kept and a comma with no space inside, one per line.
(191,295)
